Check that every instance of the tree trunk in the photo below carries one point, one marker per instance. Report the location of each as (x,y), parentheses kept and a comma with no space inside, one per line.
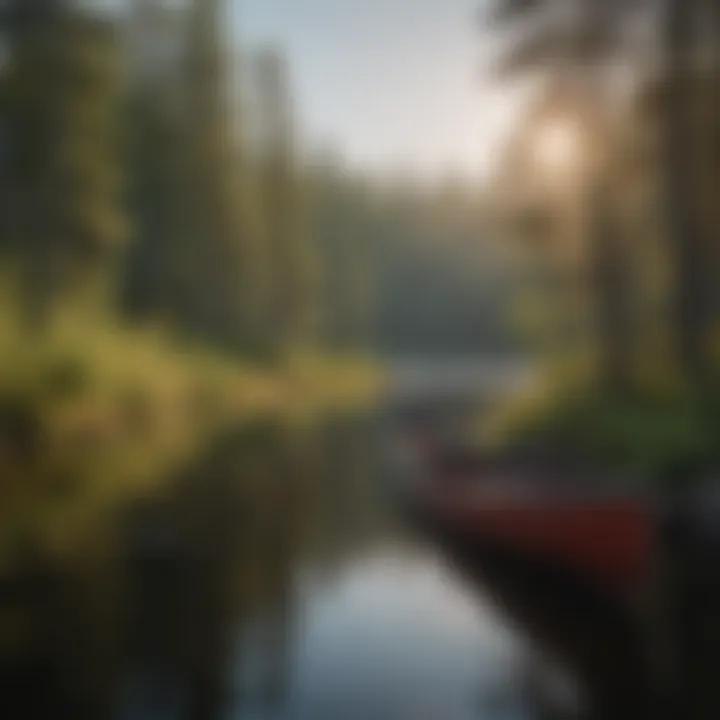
(607,264)
(610,288)
(688,249)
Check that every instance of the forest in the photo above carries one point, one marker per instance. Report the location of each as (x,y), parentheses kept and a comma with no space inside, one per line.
(176,255)
(175,259)
(160,281)
(201,305)
(610,184)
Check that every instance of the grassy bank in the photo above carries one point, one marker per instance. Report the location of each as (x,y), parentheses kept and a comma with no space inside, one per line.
(93,415)
(659,431)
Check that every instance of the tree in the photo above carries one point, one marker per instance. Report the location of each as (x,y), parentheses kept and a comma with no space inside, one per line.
(62,101)
(688,245)
(155,140)
(573,49)
(211,246)
(344,226)
(290,273)
(202,209)
(687,109)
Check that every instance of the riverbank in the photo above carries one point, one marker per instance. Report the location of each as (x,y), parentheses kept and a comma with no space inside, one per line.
(94,415)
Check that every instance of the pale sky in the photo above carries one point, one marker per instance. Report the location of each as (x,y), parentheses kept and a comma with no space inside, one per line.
(390,83)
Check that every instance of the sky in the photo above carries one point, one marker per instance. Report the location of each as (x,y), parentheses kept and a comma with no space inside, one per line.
(391,84)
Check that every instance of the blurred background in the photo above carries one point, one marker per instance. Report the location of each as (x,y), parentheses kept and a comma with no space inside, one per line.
(244,243)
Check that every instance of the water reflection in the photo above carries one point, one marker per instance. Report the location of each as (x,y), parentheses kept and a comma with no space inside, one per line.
(267,584)
(395,636)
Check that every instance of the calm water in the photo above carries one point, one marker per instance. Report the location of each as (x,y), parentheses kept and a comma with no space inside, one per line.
(271,583)
(394,636)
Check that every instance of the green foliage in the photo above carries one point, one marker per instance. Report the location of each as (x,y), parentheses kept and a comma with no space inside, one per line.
(103,399)
(648,240)
(665,438)
(63,93)
(93,416)
(221,251)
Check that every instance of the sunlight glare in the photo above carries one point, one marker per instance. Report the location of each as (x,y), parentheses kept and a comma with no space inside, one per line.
(557,147)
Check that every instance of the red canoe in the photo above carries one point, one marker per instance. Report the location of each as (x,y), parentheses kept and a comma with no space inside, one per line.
(608,539)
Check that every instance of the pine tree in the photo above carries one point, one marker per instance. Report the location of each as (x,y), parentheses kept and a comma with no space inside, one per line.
(217,244)
(688,243)
(575,49)
(155,164)
(63,95)
(290,275)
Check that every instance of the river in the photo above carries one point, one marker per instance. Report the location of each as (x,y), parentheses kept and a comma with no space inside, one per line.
(395,636)
(271,582)
(372,624)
